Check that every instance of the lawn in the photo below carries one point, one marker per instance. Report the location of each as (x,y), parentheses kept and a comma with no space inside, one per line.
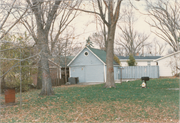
(125,103)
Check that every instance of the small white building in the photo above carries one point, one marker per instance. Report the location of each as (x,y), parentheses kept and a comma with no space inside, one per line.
(140,60)
(169,64)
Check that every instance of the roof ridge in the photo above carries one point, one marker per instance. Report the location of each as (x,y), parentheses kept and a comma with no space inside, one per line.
(101,55)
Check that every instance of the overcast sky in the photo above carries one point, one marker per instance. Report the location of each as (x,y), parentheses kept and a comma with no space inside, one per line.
(85,27)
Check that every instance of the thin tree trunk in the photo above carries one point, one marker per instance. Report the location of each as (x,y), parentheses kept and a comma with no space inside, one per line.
(105,39)
(65,66)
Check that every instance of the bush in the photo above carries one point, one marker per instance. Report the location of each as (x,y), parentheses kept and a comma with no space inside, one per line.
(117,60)
(131,61)
(13,80)
(12,70)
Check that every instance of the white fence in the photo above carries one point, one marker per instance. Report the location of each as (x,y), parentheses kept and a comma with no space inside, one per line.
(136,72)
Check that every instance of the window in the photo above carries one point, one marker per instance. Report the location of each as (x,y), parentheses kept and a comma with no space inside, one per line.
(86,53)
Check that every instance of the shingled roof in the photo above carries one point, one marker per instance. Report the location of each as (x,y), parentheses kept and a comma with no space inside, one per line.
(61,60)
(101,54)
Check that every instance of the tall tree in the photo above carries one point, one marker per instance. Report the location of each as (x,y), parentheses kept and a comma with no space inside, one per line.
(109,11)
(130,39)
(43,27)
(45,14)
(165,19)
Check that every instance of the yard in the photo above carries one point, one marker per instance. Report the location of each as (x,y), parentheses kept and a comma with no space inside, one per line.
(126,103)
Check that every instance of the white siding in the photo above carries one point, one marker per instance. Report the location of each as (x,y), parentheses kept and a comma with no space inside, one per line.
(167,66)
(87,67)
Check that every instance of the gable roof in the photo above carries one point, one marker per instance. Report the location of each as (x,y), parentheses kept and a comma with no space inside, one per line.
(61,60)
(140,57)
(167,56)
(53,62)
(68,59)
(100,54)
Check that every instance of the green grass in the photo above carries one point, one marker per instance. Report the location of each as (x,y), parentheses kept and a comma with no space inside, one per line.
(125,103)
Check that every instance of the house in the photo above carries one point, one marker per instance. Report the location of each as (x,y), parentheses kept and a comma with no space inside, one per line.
(63,61)
(89,65)
(140,60)
(169,64)
(55,73)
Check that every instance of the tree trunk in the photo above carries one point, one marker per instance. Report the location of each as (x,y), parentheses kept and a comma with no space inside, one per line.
(3,84)
(46,78)
(109,58)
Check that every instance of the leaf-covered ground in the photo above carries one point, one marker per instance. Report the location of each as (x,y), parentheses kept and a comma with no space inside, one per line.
(125,103)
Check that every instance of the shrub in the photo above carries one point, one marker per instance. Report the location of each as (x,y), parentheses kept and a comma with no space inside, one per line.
(15,77)
(11,69)
(131,61)
(117,60)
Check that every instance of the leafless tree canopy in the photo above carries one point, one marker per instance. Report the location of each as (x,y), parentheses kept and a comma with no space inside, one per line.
(60,21)
(130,39)
(165,19)
(10,14)
(98,39)
(156,48)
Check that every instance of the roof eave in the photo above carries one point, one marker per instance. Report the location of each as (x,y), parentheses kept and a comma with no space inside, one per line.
(95,55)
(75,56)
(166,56)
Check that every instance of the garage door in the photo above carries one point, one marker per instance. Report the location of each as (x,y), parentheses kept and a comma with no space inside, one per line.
(78,72)
(94,74)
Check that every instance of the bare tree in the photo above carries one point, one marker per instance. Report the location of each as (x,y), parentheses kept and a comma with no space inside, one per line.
(119,51)
(174,64)
(98,39)
(109,11)
(130,39)
(66,43)
(10,15)
(156,48)
(45,14)
(64,49)
(165,19)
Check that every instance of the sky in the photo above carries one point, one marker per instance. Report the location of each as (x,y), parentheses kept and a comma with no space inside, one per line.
(85,27)
(84,24)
